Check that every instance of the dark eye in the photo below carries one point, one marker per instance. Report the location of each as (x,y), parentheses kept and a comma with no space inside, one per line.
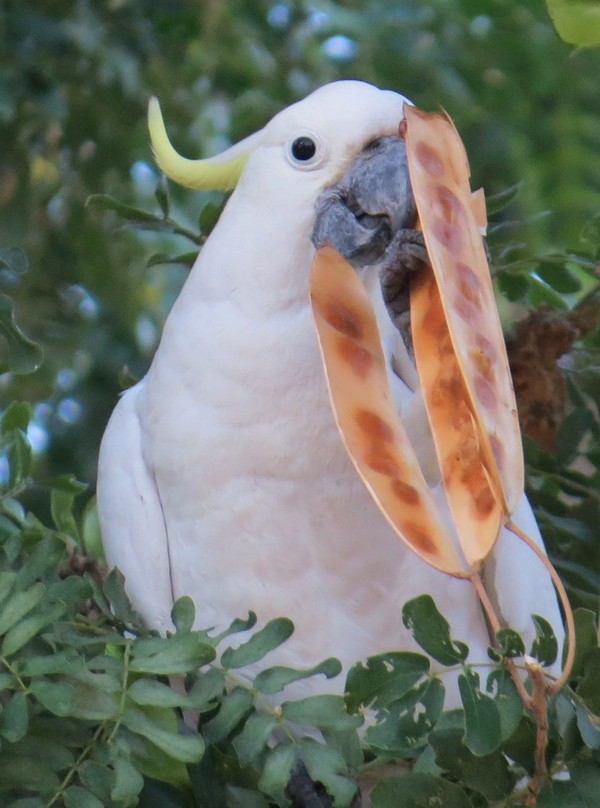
(303,148)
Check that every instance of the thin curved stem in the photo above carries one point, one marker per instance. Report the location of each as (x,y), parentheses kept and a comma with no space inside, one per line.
(490,612)
(559,683)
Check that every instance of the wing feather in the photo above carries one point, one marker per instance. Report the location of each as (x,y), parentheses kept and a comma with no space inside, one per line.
(131,516)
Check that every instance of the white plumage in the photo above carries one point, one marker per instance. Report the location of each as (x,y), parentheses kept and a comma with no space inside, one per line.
(222,474)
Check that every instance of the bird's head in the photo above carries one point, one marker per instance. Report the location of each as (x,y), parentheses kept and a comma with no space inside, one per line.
(336,155)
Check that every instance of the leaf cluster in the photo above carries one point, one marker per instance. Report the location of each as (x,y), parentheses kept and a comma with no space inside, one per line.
(93,703)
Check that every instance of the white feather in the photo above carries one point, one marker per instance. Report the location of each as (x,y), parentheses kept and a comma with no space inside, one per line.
(222,474)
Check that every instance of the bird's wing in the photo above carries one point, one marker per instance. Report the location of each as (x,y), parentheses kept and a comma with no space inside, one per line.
(131,516)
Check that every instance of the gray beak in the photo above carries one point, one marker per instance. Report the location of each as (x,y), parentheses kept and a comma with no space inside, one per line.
(360,215)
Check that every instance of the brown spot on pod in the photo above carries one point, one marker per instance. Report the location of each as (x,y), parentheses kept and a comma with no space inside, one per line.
(405,493)
(374,426)
(359,358)
(469,284)
(451,206)
(420,538)
(484,502)
(449,234)
(343,318)
(429,159)
(484,364)
(485,392)
(380,460)
(433,321)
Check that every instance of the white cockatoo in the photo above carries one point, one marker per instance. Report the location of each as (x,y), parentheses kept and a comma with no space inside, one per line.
(222,474)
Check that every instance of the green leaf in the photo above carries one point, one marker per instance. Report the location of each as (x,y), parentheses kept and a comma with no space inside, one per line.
(589,687)
(557,794)
(98,778)
(207,687)
(483,731)
(19,635)
(509,645)
(243,798)
(381,679)
(253,739)
(7,581)
(586,638)
(277,770)
(27,802)
(186,258)
(487,774)
(92,702)
(178,654)
(347,743)
(62,498)
(113,589)
(238,625)
(14,719)
(57,697)
(135,215)
(520,747)
(24,356)
(418,791)
(234,708)
(162,195)
(403,727)
(328,767)
(183,614)
(47,554)
(432,631)
(185,748)
(326,711)
(16,416)
(128,781)
(27,774)
(585,774)
(275,633)
(588,725)
(274,680)
(52,754)
(209,216)
(577,21)
(545,646)
(90,531)
(506,695)
(572,434)
(77,797)
(17,453)
(19,605)
(149,691)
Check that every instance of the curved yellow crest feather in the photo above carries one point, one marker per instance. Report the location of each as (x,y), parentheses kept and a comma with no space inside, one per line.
(220,173)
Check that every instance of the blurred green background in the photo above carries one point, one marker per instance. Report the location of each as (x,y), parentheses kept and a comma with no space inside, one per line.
(75,78)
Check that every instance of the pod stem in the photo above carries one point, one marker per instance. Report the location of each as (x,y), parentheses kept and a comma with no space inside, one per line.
(558,684)
(494,622)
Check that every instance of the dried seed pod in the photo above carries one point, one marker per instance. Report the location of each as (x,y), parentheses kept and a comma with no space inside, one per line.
(439,173)
(369,424)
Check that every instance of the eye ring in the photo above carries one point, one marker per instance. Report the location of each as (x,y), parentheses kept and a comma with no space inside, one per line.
(305,151)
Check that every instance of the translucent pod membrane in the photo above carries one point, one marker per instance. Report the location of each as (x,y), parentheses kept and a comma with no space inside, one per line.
(461,360)
(369,424)
(459,301)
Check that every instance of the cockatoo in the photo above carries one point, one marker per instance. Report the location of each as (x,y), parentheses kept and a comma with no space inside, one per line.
(222,474)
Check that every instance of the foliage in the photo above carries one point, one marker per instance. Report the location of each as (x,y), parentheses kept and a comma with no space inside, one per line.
(577,21)
(88,717)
